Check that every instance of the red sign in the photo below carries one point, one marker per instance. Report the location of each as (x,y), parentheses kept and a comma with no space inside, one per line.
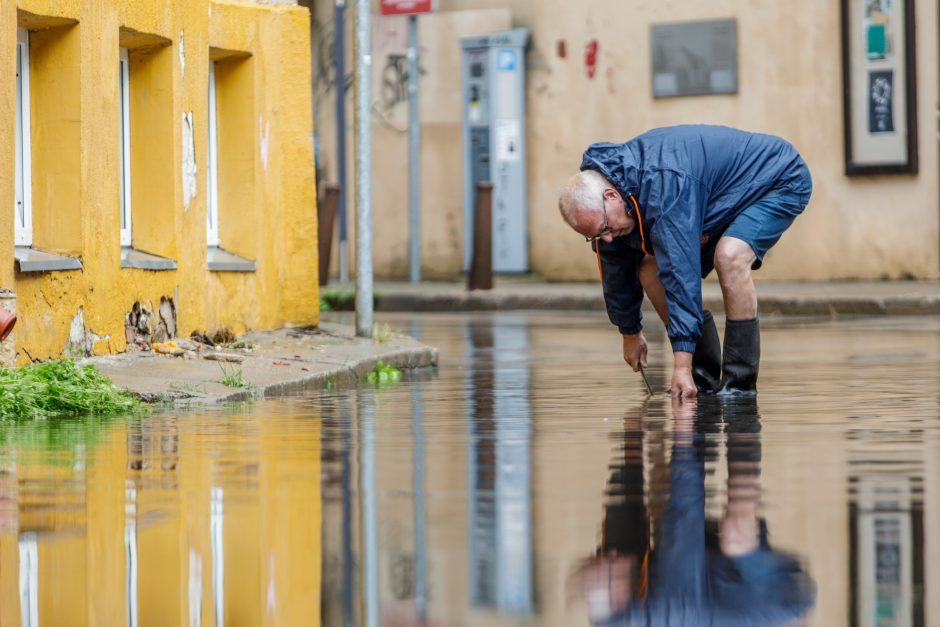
(406,7)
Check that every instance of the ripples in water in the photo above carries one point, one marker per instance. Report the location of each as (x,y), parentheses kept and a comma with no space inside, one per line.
(529,480)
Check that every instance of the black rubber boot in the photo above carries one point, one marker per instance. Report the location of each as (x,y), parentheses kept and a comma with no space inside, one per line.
(742,357)
(706,360)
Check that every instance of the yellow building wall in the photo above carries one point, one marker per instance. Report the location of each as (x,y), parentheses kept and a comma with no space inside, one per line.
(76,167)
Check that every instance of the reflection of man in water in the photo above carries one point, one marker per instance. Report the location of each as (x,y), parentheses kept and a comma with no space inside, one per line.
(692,577)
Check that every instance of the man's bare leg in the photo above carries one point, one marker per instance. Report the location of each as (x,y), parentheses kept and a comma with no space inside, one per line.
(733,260)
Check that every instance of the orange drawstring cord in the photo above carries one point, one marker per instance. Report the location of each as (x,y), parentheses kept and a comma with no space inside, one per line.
(639,221)
(600,268)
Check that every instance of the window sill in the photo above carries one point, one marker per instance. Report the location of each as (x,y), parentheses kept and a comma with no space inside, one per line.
(219,260)
(133,258)
(32,260)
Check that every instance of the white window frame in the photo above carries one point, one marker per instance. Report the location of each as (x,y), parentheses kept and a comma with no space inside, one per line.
(212,204)
(124,85)
(23,201)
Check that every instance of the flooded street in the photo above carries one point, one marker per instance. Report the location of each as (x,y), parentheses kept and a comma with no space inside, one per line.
(529,480)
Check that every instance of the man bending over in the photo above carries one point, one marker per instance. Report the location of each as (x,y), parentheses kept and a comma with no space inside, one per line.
(661,211)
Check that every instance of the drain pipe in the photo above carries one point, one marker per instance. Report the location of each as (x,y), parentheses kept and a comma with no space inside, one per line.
(363,171)
(339,51)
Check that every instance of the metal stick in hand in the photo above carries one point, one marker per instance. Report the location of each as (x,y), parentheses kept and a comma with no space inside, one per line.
(649,388)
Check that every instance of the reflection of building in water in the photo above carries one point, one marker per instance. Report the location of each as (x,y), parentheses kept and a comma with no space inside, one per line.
(886,527)
(340,582)
(165,522)
(500,469)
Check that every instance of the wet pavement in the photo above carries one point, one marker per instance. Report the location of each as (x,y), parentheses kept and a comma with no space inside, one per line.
(529,480)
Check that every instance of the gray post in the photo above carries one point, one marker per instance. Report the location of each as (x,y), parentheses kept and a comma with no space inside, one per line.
(363,170)
(414,152)
(339,55)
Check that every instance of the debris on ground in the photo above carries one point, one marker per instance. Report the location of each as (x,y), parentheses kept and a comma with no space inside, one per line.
(227,357)
(168,348)
(202,338)
(224,336)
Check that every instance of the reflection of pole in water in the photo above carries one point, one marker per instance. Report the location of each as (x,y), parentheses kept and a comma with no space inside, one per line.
(500,504)
(417,431)
(216,529)
(130,551)
(370,566)
(349,580)
(29,580)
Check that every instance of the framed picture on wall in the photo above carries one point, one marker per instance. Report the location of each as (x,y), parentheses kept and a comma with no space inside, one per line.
(879,87)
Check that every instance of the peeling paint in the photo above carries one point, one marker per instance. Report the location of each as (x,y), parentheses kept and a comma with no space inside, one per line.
(137,326)
(189,161)
(265,131)
(144,325)
(82,341)
(182,56)
(167,312)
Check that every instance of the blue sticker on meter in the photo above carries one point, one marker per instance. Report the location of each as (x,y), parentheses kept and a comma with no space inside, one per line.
(506,59)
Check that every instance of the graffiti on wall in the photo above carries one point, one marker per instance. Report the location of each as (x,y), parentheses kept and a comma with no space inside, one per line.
(394,89)
(590,58)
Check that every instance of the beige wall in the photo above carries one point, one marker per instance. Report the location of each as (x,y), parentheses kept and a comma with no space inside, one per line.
(441,149)
(790,77)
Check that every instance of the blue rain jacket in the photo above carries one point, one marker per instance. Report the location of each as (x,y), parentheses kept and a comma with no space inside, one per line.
(690,182)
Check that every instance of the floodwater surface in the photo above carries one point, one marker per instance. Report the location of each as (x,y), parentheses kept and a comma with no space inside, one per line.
(528,480)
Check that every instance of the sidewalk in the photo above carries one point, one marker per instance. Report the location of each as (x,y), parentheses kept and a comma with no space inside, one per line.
(783,298)
(278,362)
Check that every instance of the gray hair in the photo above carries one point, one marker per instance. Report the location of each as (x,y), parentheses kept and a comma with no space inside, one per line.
(583,192)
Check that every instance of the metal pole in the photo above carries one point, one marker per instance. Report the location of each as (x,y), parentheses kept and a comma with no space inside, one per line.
(414,151)
(339,45)
(363,171)
(481,263)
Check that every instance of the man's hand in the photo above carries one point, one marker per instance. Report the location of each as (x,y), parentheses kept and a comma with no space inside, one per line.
(634,351)
(683,385)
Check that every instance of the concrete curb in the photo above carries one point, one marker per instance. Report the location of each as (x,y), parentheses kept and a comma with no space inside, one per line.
(486,301)
(353,373)
(768,305)
(281,362)
(872,298)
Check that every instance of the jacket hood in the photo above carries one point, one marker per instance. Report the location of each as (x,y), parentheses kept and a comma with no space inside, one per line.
(616,162)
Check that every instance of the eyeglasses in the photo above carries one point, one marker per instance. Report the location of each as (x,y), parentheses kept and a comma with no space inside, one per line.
(604,229)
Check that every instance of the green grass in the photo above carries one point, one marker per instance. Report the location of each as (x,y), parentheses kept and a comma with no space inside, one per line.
(67,438)
(60,388)
(233,377)
(383,374)
(337,300)
(381,333)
